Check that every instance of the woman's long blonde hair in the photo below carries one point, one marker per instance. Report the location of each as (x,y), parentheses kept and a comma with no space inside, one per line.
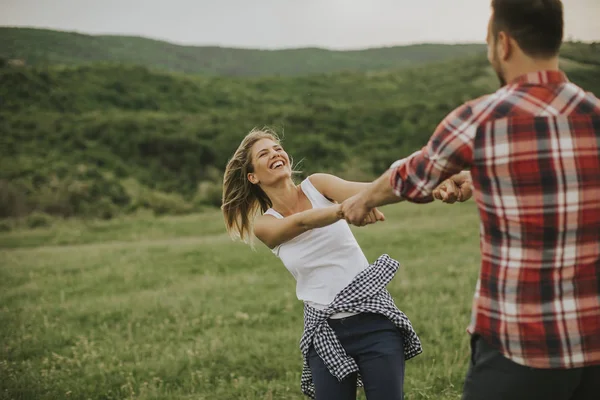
(242,200)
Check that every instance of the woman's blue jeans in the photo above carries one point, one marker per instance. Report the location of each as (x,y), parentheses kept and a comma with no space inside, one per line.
(376,344)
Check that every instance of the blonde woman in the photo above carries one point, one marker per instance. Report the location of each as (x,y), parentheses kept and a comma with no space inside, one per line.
(354,335)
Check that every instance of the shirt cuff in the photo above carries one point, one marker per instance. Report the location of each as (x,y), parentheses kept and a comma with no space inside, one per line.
(395,180)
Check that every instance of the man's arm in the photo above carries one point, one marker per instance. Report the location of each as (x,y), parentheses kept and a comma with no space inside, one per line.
(334,188)
(448,152)
(337,189)
(378,193)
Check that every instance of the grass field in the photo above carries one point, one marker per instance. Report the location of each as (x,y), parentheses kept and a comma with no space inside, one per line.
(171,308)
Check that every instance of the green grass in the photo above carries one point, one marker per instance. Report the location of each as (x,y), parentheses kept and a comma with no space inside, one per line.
(171,308)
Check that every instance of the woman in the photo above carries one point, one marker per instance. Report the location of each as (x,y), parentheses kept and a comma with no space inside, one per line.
(353,333)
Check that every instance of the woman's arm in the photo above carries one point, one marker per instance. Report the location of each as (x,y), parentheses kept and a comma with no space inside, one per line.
(336,189)
(274,231)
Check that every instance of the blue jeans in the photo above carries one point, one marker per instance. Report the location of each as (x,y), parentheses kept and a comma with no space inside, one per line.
(376,344)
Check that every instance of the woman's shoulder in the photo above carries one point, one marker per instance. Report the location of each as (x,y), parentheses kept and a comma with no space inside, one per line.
(320,180)
(319,184)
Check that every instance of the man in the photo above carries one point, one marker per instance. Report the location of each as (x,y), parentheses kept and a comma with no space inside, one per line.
(533,151)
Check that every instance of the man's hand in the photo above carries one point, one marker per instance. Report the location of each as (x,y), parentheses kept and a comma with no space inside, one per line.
(355,210)
(458,187)
(374,216)
(378,193)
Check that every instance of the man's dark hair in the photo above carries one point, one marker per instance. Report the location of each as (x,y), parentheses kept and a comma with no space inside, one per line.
(536,25)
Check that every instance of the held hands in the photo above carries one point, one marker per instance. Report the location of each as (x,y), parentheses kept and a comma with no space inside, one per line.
(373,216)
(355,212)
(458,187)
(369,217)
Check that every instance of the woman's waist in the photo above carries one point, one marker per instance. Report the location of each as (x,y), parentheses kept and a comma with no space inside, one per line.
(315,264)
(321,251)
(339,315)
(326,297)
(320,289)
(356,319)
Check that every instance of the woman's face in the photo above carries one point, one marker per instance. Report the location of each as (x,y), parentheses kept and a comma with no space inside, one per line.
(271,163)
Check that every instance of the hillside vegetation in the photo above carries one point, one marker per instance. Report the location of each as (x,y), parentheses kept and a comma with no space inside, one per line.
(48,47)
(98,140)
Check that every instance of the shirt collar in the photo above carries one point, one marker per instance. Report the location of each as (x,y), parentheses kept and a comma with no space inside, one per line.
(541,78)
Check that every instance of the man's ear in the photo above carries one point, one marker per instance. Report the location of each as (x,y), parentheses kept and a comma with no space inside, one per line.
(252,178)
(505,44)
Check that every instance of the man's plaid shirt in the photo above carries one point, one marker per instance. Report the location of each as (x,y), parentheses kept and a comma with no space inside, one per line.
(533,149)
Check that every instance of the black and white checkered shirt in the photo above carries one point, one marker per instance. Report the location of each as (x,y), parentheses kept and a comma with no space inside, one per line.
(366,293)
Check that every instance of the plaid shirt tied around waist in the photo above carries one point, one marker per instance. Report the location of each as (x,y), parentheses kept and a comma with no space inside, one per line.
(366,293)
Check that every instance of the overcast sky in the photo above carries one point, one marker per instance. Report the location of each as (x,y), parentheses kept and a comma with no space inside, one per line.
(336,24)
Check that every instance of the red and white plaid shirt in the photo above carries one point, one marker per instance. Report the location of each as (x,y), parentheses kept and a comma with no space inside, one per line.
(533,149)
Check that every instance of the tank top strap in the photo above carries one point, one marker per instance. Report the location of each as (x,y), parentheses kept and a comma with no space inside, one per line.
(315,197)
(274,213)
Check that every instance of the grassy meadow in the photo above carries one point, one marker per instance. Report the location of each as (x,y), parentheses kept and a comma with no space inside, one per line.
(170,308)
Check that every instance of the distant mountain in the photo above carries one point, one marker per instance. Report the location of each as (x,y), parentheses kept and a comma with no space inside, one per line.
(45,47)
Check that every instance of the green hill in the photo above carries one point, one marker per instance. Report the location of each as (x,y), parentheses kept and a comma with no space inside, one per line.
(103,139)
(48,47)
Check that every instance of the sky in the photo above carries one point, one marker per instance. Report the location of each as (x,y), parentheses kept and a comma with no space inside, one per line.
(276,24)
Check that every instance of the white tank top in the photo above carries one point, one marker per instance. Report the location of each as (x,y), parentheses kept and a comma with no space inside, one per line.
(322,260)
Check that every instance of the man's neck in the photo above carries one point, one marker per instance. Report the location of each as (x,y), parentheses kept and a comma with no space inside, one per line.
(530,65)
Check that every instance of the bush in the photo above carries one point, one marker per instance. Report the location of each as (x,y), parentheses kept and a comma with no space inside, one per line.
(13,201)
(5,226)
(159,202)
(63,190)
(166,203)
(105,209)
(38,219)
(209,193)
(59,199)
